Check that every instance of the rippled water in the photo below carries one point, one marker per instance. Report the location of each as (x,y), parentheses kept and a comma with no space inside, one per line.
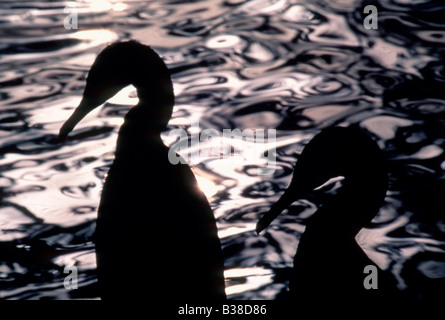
(295,66)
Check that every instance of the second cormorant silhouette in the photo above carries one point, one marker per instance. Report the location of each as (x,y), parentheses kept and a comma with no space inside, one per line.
(156,235)
(329,264)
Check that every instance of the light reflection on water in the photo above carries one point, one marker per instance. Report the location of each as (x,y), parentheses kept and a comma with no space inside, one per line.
(294,66)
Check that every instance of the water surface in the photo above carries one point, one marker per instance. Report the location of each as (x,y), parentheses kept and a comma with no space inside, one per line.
(293,66)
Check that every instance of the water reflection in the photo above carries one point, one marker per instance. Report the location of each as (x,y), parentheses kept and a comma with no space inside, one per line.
(295,67)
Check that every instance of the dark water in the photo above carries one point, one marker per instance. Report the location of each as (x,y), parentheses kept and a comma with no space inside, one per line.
(293,66)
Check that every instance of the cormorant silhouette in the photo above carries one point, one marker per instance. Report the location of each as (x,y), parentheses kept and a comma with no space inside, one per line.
(329,264)
(156,235)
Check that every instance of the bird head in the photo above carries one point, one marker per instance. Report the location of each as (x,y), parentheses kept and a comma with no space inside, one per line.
(337,152)
(117,66)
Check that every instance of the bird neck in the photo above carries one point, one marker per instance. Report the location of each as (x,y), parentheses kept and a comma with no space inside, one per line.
(142,127)
(156,101)
(330,226)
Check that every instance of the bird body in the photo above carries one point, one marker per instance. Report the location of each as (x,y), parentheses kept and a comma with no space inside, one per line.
(156,233)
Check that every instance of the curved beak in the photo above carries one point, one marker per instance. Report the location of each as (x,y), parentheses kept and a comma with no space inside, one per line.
(293,193)
(79,113)
(283,203)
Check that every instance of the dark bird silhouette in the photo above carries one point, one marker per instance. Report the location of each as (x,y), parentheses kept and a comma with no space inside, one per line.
(329,263)
(156,235)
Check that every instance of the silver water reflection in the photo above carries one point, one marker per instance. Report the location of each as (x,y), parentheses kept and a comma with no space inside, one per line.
(293,66)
